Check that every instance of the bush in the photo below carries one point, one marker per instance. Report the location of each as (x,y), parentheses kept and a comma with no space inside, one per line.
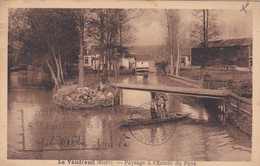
(161,66)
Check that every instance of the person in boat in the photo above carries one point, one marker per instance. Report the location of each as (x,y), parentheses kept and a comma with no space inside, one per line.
(162,99)
(154,106)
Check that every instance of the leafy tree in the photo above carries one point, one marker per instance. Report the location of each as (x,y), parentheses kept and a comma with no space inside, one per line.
(48,35)
(161,66)
(109,29)
(55,37)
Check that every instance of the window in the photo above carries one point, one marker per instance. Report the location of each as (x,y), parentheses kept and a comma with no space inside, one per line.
(250,61)
(183,61)
(86,60)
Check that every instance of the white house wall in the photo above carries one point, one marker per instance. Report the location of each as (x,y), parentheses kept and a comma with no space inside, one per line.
(127,62)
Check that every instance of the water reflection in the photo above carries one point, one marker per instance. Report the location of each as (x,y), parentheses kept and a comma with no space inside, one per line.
(134,98)
(52,133)
(154,134)
(152,79)
(29,79)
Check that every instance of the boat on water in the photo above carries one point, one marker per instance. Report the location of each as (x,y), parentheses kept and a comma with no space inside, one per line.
(142,121)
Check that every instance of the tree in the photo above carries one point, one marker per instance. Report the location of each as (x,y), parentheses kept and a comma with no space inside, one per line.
(202,32)
(173,19)
(204,27)
(48,34)
(81,26)
(123,32)
(109,29)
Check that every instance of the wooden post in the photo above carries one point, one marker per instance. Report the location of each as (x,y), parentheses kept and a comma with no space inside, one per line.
(224,111)
(120,96)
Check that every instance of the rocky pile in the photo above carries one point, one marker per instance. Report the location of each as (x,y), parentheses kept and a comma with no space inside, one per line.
(74,97)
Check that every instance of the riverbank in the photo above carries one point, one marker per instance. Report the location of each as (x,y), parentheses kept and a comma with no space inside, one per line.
(238,107)
(239,82)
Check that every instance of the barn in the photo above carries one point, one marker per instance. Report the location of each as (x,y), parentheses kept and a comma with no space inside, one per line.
(224,52)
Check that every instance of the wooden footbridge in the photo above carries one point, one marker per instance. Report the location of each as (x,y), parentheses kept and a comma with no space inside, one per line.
(197,92)
(228,101)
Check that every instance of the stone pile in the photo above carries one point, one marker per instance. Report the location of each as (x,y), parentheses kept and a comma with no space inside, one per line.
(74,97)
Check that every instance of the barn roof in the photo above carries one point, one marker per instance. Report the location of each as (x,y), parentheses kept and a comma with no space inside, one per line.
(228,43)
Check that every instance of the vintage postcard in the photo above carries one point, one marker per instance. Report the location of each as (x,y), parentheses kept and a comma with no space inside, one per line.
(162,83)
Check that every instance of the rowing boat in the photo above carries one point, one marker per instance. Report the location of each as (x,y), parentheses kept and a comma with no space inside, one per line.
(142,121)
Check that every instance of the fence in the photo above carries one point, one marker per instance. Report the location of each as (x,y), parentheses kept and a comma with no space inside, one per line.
(240,88)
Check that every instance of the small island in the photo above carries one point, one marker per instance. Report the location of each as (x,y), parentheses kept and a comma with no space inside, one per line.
(72,96)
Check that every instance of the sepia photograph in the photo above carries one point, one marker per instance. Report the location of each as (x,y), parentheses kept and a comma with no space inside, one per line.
(93,85)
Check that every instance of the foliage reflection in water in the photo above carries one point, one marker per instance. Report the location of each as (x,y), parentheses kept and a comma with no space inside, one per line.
(96,134)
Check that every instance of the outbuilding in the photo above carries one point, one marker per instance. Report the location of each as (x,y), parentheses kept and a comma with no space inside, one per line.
(224,52)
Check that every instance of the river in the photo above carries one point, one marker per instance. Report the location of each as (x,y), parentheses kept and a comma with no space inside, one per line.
(39,130)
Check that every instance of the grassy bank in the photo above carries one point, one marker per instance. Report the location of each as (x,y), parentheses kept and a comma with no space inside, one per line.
(239,82)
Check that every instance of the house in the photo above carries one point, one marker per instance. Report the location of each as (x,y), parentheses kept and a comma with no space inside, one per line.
(224,52)
(128,61)
(145,56)
(92,59)
(185,56)
(144,62)
(148,55)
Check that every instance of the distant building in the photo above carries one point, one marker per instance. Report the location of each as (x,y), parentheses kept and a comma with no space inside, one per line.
(92,58)
(224,52)
(144,62)
(127,61)
(148,55)
(145,56)
(185,56)
(92,61)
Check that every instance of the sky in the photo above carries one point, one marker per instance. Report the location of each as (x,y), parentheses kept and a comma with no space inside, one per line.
(151,27)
